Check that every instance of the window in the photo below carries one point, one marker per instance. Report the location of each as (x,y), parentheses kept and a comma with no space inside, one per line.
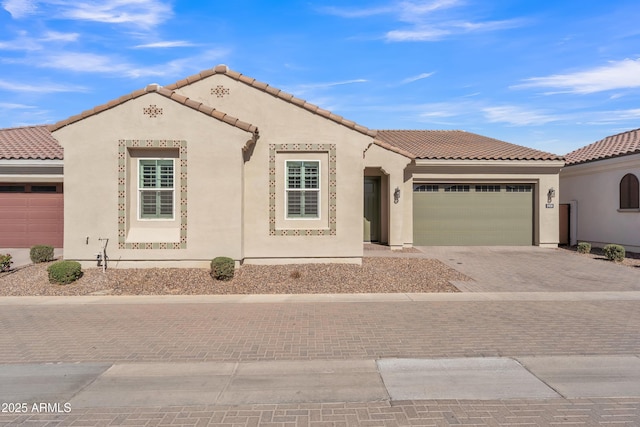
(518,189)
(629,192)
(156,188)
(487,188)
(425,188)
(303,189)
(9,188)
(43,189)
(457,188)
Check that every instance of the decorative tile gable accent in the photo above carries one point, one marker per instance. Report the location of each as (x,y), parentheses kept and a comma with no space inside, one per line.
(331,149)
(123,144)
(152,111)
(220,91)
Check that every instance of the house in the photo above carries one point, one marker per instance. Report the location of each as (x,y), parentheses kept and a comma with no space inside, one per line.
(31,199)
(599,188)
(219,164)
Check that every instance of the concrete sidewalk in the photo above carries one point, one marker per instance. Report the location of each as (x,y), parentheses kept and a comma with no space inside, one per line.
(92,385)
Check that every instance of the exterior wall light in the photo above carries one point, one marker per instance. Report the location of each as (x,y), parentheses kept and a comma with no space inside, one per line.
(551,194)
(396,195)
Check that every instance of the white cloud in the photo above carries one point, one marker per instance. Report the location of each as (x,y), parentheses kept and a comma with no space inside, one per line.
(114,66)
(427,20)
(611,117)
(11,106)
(54,36)
(25,42)
(616,75)
(303,89)
(39,88)
(165,44)
(518,116)
(145,13)
(19,8)
(357,13)
(418,77)
(439,30)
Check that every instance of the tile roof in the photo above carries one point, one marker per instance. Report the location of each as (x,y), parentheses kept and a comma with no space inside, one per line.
(29,143)
(174,96)
(223,69)
(621,144)
(458,145)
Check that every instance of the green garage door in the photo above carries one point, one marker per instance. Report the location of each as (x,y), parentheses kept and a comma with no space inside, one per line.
(472,214)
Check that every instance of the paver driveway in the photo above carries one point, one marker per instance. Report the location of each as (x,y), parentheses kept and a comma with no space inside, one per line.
(533,269)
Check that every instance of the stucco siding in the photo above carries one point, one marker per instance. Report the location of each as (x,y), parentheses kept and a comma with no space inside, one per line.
(213,194)
(287,130)
(595,187)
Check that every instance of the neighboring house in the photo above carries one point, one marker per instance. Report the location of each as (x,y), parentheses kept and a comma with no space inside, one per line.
(220,164)
(600,187)
(31,199)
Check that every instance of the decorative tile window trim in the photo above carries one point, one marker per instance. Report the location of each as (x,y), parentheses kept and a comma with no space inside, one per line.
(152,111)
(123,145)
(326,148)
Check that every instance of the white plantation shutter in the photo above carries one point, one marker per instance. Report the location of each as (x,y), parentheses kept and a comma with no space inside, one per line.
(156,188)
(303,189)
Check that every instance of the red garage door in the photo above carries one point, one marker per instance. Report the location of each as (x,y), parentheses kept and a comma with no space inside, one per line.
(31,217)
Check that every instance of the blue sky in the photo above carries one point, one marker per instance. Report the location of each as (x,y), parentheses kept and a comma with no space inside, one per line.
(552,75)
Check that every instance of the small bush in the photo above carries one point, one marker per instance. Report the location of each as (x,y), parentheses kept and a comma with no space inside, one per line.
(222,268)
(584,248)
(614,252)
(5,262)
(41,253)
(295,274)
(64,272)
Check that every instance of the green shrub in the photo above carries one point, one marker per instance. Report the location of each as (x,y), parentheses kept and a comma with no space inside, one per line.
(41,253)
(64,272)
(222,268)
(5,262)
(584,248)
(614,252)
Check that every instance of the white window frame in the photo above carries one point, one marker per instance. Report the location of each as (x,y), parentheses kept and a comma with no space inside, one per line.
(140,189)
(317,190)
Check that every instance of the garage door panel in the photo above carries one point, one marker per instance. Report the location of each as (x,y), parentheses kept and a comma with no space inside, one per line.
(27,219)
(473,218)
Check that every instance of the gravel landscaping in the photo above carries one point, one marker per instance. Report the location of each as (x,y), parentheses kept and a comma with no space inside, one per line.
(376,275)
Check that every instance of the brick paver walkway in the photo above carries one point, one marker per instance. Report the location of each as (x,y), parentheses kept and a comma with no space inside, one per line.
(271,331)
(556,412)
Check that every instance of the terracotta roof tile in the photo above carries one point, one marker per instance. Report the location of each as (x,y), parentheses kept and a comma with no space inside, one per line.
(29,143)
(174,96)
(458,145)
(621,144)
(223,69)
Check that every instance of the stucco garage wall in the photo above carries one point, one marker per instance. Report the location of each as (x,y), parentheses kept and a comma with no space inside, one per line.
(214,184)
(595,186)
(287,128)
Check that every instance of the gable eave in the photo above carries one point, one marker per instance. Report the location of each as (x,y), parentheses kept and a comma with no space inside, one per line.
(275,92)
(167,93)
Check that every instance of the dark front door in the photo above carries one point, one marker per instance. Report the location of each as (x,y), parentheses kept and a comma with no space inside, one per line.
(371,209)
